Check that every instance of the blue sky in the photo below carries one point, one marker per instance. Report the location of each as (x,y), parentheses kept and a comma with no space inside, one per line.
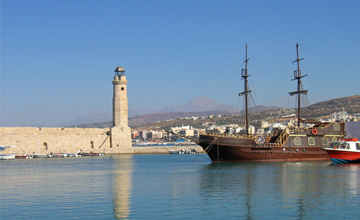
(58,57)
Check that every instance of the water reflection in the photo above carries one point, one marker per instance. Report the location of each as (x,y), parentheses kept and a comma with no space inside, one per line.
(289,189)
(122,186)
(172,186)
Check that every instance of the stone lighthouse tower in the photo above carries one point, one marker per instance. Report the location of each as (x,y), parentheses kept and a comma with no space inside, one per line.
(120,132)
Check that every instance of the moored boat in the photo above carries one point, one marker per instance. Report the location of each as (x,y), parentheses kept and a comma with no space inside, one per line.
(23,156)
(344,151)
(174,152)
(298,143)
(7,156)
(81,153)
(71,155)
(58,155)
(42,155)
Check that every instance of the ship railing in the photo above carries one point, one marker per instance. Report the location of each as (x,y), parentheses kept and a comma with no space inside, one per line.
(292,129)
(226,135)
(282,137)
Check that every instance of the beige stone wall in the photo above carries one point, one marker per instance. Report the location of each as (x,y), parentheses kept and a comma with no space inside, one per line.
(45,140)
(120,138)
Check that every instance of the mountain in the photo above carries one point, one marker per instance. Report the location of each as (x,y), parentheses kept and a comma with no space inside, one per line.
(156,117)
(351,106)
(198,104)
(87,120)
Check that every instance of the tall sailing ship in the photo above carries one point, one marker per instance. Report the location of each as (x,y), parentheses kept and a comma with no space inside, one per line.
(290,144)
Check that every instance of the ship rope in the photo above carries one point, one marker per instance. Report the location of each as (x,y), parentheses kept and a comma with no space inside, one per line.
(210,145)
(200,156)
(309,78)
(207,149)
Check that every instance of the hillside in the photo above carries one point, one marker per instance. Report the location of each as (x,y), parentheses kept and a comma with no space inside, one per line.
(147,119)
(199,104)
(350,104)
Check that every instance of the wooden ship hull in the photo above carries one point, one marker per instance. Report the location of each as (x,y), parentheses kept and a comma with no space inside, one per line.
(290,145)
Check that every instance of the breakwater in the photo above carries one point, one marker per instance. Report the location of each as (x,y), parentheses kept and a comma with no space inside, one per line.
(29,140)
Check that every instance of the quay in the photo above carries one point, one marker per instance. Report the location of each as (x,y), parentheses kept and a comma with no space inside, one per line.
(165,150)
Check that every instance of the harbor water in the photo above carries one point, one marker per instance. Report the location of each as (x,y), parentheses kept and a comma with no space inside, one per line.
(176,187)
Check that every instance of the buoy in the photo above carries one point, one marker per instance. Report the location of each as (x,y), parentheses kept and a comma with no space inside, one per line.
(314,131)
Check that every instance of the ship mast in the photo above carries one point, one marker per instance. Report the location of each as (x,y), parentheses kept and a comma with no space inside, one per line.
(297,76)
(244,75)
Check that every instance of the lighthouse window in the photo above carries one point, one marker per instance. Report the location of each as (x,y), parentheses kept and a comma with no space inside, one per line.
(122,88)
(46,146)
(311,141)
(324,141)
(92,144)
(297,141)
(336,127)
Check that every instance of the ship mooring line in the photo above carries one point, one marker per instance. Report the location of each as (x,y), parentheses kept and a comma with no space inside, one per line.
(206,150)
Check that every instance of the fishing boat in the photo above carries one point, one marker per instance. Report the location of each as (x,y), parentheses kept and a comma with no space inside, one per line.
(344,151)
(174,152)
(186,151)
(64,154)
(55,155)
(42,155)
(22,156)
(298,143)
(7,156)
(81,153)
(71,155)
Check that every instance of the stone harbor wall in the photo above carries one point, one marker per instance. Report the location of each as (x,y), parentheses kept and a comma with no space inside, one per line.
(117,140)
(31,140)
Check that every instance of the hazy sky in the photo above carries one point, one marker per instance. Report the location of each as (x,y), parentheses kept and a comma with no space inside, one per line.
(58,57)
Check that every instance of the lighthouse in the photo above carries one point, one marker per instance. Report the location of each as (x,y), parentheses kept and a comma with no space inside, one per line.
(120,102)
(120,132)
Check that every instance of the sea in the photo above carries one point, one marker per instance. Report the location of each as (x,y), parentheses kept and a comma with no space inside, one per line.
(170,186)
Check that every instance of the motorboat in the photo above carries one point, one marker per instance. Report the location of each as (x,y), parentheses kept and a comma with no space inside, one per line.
(345,150)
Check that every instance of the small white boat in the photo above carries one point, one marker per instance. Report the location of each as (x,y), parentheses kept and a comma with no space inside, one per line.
(64,155)
(7,156)
(42,155)
(71,155)
(59,155)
